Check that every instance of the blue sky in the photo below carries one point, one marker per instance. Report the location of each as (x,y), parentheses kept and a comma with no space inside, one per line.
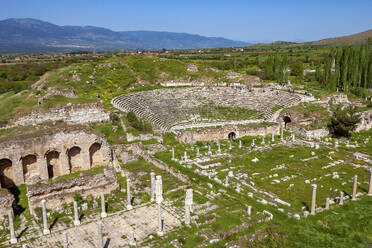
(261,20)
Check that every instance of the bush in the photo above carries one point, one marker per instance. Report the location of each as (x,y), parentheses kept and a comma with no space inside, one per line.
(344,120)
(137,124)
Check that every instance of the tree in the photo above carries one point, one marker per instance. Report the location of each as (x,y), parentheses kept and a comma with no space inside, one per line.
(297,68)
(344,120)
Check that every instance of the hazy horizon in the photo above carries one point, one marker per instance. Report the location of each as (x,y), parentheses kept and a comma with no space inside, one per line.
(247,21)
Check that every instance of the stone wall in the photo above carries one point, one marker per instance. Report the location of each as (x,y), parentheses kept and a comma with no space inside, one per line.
(6,202)
(63,191)
(47,155)
(311,134)
(213,134)
(72,114)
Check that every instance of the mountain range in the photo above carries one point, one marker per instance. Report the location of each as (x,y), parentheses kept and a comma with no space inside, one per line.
(32,35)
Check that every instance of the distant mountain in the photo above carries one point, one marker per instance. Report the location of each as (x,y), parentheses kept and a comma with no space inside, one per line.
(31,35)
(344,40)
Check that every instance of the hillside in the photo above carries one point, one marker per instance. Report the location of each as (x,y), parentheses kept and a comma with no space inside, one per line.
(344,40)
(31,35)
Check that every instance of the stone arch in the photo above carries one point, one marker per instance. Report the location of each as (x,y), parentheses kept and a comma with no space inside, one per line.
(30,168)
(75,160)
(232,136)
(95,155)
(53,163)
(287,119)
(6,173)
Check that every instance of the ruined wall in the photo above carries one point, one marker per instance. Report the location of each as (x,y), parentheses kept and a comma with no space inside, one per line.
(213,134)
(62,191)
(72,114)
(365,121)
(311,134)
(6,202)
(32,159)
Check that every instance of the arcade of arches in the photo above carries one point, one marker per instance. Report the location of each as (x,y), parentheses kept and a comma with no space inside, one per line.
(31,168)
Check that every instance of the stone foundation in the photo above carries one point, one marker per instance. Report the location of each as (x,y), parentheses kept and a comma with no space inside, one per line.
(63,191)
(213,134)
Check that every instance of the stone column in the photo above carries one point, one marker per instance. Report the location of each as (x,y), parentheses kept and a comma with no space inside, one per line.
(189,198)
(219,147)
(230,146)
(159,200)
(197,152)
(370,184)
(272,137)
(132,240)
(43,168)
(76,214)
(188,206)
(187,215)
(263,140)
(227,181)
(249,210)
(327,203)
(66,240)
(100,237)
(160,221)
(13,238)
(281,132)
(341,198)
(129,196)
(172,153)
(240,144)
(152,194)
(185,155)
(45,218)
(313,200)
(103,206)
(293,137)
(355,188)
(209,149)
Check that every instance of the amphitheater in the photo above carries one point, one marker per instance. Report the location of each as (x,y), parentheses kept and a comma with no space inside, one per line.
(179,108)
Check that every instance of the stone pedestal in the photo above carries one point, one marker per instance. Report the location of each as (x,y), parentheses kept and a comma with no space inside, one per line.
(249,210)
(327,203)
(132,240)
(341,198)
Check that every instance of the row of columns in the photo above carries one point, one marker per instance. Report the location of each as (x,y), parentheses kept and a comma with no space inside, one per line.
(341,202)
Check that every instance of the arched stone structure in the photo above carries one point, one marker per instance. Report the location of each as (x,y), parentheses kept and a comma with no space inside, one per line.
(54,153)
(53,163)
(232,136)
(286,119)
(95,155)
(75,159)
(6,173)
(30,168)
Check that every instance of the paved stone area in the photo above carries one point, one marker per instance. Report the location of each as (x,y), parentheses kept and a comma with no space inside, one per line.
(142,220)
